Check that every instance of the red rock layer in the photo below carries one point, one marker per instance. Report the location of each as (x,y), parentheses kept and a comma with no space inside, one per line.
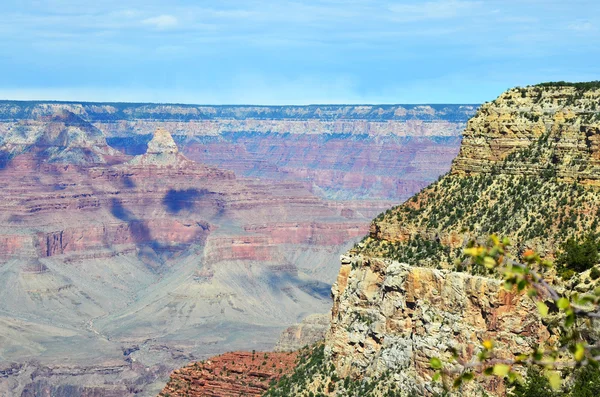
(231,374)
(343,167)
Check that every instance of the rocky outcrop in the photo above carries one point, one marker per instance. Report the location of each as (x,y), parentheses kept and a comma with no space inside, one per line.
(568,115)
(62,137)
(311,330)
(230,375)
(389,316)
(527,169)
(514,175)
(162,151)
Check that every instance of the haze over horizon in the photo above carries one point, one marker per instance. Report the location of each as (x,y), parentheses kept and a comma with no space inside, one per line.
(292,52)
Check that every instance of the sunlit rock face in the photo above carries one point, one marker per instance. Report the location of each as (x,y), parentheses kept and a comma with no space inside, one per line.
(393,317)
(527,159)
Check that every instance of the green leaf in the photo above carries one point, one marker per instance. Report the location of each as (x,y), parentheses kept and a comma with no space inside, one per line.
(437,376)
(489,262)
(570,320)
(521,357)
(554,379)
(435,363)
(518,270)
(563,303)
(542,309)
(579,352)
(501,370)
(474,251)
(546,263)
(586,299)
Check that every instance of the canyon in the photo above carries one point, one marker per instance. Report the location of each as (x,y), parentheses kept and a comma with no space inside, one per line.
(136,238)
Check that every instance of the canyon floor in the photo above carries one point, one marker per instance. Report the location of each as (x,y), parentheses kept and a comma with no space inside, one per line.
(122,262)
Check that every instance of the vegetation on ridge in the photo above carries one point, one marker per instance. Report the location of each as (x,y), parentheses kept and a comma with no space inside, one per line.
(587,85)
(538,210)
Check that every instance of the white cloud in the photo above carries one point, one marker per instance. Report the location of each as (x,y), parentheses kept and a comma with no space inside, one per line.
(582,26)
(162,22)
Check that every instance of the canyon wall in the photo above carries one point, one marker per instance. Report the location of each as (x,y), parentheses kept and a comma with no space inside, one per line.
(527,160)
(128,263)
(126,251)
(527,169)
(342,151)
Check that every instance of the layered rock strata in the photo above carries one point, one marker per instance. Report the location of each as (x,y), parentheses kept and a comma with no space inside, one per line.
(393,317)
(346,152)
(152,252)
(526,169)
(230,375)
(519,117)
(142,259)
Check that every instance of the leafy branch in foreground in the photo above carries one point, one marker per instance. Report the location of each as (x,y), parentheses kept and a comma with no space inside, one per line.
(575,313)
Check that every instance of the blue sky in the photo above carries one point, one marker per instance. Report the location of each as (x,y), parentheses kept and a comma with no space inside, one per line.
(292,52)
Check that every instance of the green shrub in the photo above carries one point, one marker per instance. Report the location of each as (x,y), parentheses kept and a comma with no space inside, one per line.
(579,255)
(535,385)
(587,382)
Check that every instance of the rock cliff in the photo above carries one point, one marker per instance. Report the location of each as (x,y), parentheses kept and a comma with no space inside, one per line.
(230,375)
(162,150)
(62,137)
(393,317)
(531,146)
(527,169)
(310,331)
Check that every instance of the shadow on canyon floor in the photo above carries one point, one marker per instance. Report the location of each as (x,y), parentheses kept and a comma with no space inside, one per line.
(179,200)
(279,283)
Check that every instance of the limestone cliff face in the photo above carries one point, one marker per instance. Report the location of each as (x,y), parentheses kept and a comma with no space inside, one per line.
(389,316)
(527,168)
(162,143)
(62,137)
(311,330)
(519,117)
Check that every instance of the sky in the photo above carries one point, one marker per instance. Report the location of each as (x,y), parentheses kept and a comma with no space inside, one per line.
(292,52)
